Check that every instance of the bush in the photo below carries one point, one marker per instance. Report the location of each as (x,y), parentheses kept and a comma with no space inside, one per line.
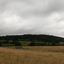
(15,39)
(0,43)
(38,44)
(32,44)
(17,43)
(6,42)
(48,44)
(44,44)
(12,42)
(53,44)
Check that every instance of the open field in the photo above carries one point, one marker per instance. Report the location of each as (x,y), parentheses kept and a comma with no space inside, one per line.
(32,55)
(26,43)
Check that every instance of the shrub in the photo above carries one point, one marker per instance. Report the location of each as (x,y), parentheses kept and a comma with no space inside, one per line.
(0,43)
(15,39)
(38,44)
(17,43)
(12,42)
(32,44)
(6,42)
(53,44)
(44,44)
(48,44)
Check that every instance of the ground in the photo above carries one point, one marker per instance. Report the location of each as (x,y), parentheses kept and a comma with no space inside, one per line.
(32,55)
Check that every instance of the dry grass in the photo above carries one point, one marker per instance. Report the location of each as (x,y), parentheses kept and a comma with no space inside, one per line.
(32,55)
(45,48)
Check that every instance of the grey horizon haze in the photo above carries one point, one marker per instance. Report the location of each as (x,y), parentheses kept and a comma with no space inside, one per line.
(32,17)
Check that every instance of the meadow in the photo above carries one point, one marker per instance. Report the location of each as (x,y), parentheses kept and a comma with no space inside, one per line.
(32,55)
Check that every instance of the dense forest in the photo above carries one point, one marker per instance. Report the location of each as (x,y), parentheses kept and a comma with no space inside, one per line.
(31,37)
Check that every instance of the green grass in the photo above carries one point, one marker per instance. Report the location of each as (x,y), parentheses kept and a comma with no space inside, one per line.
(26,43)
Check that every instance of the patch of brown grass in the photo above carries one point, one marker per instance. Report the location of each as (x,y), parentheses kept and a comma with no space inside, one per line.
(45,48)
(32,55)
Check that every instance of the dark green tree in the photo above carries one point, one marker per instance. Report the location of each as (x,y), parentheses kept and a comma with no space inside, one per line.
(32,44)
(44,44)
(53,44)
(17,43)
(0,43)
(15,38)
(6,42)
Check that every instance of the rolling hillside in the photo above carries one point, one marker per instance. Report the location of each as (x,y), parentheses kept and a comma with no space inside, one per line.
(30,37)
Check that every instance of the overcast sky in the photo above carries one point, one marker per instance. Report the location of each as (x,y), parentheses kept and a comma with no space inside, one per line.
(32,17)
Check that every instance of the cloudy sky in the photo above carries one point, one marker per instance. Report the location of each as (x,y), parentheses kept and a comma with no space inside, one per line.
(32,17)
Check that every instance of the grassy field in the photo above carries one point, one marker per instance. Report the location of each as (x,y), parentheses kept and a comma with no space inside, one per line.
(26,43)
(32,55)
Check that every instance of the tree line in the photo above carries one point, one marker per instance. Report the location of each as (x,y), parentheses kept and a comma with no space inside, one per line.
(30,37)
(48,40)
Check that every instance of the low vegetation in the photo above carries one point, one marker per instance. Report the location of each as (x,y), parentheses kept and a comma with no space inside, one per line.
(32,55)
(31,40)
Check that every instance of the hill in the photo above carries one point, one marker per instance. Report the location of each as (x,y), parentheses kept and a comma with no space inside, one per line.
(31,37)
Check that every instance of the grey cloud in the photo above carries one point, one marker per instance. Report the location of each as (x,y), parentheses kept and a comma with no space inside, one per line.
(33,7)
(31,16)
